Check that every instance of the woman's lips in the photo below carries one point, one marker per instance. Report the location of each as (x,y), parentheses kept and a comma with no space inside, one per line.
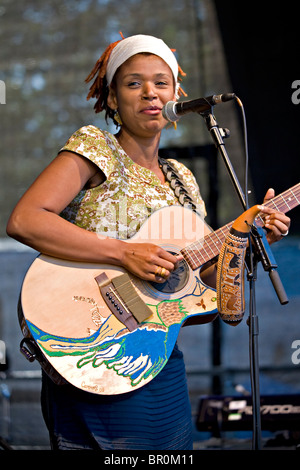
(152,110)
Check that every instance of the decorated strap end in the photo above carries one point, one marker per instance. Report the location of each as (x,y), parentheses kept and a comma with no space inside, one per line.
(230,269)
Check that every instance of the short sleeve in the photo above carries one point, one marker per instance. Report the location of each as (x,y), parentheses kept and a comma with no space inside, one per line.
(91,143)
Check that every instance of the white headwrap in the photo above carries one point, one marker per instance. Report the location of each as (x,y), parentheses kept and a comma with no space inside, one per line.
(128,47)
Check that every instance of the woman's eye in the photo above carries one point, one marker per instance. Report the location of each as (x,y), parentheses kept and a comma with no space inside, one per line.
(133,84)
(162,85)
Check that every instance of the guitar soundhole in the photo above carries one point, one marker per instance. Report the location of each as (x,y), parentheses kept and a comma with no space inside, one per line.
(176,281)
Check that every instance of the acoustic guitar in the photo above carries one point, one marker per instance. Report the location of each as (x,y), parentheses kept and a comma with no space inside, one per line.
(106,331)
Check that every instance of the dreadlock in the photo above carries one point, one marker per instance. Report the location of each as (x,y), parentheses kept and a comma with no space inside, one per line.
(99,88)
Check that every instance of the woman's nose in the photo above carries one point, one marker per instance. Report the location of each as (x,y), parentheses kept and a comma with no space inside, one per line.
(149,91)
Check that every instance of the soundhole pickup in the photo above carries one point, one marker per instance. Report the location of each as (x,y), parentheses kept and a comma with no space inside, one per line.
(176,281)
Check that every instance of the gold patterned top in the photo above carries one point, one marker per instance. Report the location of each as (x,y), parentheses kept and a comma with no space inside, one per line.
(130,193)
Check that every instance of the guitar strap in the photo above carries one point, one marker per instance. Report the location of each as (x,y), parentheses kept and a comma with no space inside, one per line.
(179,187)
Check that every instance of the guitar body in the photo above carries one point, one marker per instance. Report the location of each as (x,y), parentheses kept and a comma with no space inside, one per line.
(63,310)
(80,333)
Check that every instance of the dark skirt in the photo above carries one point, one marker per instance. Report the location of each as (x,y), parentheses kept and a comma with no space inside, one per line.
(154,417)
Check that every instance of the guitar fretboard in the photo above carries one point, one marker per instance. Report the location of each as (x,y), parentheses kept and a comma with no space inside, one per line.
(204,250)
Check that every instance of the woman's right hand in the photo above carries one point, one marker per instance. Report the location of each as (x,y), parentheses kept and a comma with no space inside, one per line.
(149,261)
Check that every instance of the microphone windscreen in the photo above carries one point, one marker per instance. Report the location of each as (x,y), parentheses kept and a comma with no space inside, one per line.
(169,111)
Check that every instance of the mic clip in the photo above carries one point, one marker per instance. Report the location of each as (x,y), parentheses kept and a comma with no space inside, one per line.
(225,133)
(264,254)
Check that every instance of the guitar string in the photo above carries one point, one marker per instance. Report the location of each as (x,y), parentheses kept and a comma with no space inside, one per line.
(185,199)
(115,292)
(193,251)
(276,202)
(182,194)
(283,203)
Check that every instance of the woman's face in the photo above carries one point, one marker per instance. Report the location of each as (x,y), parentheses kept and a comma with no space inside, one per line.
(142,86)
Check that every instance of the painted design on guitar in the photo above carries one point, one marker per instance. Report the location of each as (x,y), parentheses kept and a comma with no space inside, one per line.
(92,388)
(121,351)
(136,355)
(96,315)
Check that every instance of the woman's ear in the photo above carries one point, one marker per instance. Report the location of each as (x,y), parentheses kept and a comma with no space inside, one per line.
(112,99)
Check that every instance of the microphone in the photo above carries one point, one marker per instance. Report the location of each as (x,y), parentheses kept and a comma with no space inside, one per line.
(230,269)
(173,110)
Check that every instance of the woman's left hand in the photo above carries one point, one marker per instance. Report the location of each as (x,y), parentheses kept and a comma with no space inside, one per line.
(277,223)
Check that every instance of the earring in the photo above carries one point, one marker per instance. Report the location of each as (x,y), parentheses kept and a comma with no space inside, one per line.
(117,118)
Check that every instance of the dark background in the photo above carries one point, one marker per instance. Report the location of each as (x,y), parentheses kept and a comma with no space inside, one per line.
(262,48)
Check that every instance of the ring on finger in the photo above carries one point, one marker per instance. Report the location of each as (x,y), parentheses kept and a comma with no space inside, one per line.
(158,271)
(285,234)
(163,273)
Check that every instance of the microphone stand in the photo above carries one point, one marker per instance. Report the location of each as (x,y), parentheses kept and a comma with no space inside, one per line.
(259,250)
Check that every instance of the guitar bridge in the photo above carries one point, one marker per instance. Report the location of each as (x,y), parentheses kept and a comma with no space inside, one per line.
(123,300)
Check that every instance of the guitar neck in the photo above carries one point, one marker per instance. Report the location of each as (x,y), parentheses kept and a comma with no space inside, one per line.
(206,249)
